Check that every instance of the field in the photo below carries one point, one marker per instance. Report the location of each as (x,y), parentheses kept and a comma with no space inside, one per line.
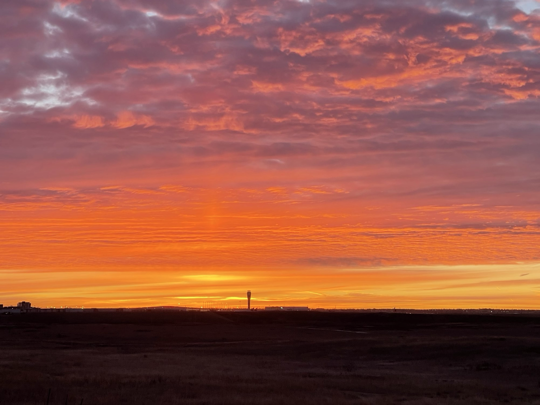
(157,358)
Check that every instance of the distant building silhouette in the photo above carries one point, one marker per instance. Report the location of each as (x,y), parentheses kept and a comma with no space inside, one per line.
(24,306)
(249,299)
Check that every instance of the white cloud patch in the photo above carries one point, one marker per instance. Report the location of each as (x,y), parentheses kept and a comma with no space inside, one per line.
(51,29)
(67,11)
(528,6)
(52,91)
(58,53)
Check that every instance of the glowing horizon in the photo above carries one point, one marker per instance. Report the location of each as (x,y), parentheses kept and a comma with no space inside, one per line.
(323,153)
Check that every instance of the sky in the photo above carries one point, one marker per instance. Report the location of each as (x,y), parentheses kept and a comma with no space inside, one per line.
(324,153)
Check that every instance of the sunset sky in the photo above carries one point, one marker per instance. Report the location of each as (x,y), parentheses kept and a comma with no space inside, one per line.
(328,153)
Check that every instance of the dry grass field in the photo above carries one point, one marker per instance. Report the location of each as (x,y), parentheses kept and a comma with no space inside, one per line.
(315,358)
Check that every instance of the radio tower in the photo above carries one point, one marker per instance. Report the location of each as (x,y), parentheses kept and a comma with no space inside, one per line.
(249,299)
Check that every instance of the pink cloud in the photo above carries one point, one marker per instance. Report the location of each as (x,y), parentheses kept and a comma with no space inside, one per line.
(126,119)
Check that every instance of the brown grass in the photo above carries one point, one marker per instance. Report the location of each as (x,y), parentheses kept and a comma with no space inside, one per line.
(268,359)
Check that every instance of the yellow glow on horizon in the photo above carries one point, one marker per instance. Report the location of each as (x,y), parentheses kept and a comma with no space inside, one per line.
(213,277)
(460,286)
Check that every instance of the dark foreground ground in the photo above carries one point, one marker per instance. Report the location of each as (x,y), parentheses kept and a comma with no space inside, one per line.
(268,358)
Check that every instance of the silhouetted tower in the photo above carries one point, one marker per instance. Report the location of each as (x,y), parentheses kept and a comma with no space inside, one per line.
(249,299)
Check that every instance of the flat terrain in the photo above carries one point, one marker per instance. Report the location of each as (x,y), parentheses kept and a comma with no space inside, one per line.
(268,358)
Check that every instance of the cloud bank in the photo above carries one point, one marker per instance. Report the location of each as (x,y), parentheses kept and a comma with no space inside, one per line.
(301,135)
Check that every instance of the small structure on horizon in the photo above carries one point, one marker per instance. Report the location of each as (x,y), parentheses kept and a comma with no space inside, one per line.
(24,306)
(249,299)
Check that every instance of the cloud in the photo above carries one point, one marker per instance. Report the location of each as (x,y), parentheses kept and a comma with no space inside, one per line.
(126,119)
(335,133)
(89,121)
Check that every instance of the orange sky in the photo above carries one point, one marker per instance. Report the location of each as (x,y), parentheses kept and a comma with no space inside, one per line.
(321,153)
